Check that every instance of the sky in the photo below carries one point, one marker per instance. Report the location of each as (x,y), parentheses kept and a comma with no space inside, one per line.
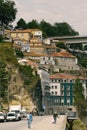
(73,12)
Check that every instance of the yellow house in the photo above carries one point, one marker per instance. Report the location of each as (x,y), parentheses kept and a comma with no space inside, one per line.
(25,34)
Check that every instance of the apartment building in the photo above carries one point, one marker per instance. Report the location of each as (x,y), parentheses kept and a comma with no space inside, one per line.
(61,88)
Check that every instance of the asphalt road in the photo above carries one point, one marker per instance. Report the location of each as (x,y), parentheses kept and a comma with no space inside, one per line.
(39,123)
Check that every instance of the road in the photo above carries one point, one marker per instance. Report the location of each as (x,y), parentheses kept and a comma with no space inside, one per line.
(39,123)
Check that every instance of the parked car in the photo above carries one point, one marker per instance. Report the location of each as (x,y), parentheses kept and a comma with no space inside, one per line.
(23,114)
(18,113)
(2,117)
(11,116)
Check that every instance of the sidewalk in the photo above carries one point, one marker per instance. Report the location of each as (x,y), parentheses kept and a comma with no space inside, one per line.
(46,124)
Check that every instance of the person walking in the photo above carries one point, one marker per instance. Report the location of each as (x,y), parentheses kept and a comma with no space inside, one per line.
(55,115)
(29,119)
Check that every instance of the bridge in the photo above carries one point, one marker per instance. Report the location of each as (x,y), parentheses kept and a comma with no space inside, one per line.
(70,39)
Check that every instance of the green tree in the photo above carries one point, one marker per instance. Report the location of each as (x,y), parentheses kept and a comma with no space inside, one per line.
(64,29)
(21,24)
(79,125)
(26,73)
(79,99)
(19,54)
(1,39)
(83,62)
(3,80)
(61,45)
(33,24)
(77,46)
(7,11)
(30,79)
(47,28)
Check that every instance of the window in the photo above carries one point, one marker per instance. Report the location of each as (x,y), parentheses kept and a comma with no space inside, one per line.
(55,92)
(70,81)
(62,87)
(59,80)
(65,81)
(68,87)
(52,93)
(43,58)
(68,93)
(55,87)
(62,93)
(55,80)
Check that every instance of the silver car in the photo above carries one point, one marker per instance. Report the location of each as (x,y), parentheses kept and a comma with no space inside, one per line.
(11,116)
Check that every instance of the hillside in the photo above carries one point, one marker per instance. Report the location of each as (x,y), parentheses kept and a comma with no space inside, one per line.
(18,86)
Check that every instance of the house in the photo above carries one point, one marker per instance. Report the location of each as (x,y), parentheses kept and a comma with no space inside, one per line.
(26,34)
(62,60)
(65,60)
(35,57)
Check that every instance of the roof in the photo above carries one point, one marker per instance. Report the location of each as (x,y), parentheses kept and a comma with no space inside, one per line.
(61,76)
(34,54)
(62,54)
(23,31)
(65,76)
(31,63)
(28,62)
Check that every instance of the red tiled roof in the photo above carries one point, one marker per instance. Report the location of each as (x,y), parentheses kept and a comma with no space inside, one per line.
(62,54)
(61,76)
(34,54)
(31,63)
(65,76)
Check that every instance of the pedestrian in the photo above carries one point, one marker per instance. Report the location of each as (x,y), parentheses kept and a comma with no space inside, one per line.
(29,119)
(55,115)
